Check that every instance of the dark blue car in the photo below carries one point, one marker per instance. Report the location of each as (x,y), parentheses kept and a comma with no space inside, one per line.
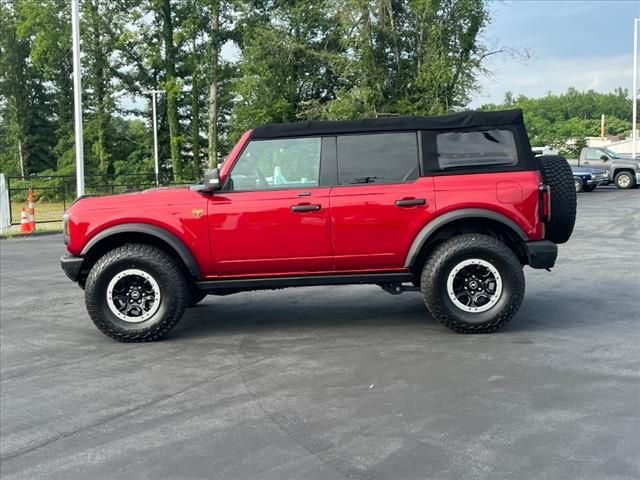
(587,179)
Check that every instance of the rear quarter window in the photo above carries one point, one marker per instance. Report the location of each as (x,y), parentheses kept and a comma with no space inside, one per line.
(476,149)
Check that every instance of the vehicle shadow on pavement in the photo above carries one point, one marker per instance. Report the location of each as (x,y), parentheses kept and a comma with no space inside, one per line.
(222,316)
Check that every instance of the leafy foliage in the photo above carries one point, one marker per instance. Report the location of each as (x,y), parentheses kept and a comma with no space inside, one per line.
(565,120)
(293,60)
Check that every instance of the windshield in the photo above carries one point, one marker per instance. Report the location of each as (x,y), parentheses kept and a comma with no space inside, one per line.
(610,153)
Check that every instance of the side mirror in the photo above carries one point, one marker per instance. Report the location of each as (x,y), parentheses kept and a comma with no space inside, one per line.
(211,181)
(604,158)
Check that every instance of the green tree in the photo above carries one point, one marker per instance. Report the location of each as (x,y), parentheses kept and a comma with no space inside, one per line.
(565,120)
(287,61)
(26,130)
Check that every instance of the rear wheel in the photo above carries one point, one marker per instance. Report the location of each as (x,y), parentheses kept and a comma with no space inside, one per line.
(625,180)
(473,283)
(136,293)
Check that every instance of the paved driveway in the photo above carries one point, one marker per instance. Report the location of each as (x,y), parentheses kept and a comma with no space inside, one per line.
(332,383)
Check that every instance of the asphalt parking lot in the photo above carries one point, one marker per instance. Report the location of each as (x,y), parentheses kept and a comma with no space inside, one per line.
(334,382)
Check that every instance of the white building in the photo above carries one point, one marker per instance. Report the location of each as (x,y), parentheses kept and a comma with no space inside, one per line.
(623,146)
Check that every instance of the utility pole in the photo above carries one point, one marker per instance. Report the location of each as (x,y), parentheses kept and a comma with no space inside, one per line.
(634,127)
(77,96)
(153,94)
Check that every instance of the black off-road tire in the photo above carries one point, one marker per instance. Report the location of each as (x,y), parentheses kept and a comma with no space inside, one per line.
(557,174)
(629,184)
(162,267)
(445,258)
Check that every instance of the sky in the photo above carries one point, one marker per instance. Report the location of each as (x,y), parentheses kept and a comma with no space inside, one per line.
(585,44)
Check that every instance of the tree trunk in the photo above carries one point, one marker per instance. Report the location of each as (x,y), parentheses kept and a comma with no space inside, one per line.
(98,72)
(172,90)
(195,115)
(212,132)
(21,158)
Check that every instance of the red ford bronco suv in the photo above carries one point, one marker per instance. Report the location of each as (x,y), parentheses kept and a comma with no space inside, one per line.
(454,206)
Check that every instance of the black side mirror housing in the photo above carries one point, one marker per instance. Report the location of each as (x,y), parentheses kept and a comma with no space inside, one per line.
(604,158)
(211,182)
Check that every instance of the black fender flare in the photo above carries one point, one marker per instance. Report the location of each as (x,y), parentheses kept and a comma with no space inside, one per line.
(617,168)
(166,236)
(434,225)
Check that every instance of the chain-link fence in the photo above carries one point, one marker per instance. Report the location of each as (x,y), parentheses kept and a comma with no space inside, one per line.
(52,194)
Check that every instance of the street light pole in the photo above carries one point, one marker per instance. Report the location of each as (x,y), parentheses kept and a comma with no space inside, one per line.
(77,96)
(153,94)
(634,127)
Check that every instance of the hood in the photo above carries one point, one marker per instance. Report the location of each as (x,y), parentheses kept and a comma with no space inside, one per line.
(626,161)
(152,197)
(580,170)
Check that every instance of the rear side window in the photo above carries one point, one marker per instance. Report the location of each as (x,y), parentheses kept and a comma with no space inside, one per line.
(377,158)
(473,149)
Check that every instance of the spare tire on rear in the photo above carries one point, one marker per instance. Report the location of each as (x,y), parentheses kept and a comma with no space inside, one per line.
(557,174)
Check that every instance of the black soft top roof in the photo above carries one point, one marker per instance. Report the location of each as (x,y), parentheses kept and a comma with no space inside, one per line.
(443,122)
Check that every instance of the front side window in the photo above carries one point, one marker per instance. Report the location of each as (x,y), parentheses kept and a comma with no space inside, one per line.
(377,158)
(474,149)
(593,154)
(277,164)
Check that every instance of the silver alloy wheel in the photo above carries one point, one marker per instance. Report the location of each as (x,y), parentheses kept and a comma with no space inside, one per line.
(474,285)
(578,184)
(624,180)
(133,295)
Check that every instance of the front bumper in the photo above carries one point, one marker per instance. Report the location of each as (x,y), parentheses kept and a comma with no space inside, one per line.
(71,266)
(600,179)
(541,254)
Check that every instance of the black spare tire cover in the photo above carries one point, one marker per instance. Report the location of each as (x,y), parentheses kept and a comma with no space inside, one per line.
(557,174)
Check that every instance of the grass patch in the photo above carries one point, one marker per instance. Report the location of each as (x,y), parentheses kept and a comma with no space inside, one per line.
(42,228)
(44,210)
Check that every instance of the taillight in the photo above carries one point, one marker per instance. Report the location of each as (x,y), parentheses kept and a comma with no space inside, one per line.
(544,203)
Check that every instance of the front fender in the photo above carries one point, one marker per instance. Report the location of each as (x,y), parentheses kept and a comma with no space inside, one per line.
(162,234)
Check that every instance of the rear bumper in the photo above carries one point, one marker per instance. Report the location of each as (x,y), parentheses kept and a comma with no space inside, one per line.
(541,254)
(71,266)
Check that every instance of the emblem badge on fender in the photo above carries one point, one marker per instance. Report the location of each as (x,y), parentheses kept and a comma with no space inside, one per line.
(197,212)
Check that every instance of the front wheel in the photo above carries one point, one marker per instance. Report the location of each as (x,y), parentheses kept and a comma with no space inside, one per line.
(625,180)
(578,184)
(136,293)
(473,283)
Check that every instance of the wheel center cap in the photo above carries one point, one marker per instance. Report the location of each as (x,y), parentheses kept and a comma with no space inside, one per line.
(473,284)
(135,294)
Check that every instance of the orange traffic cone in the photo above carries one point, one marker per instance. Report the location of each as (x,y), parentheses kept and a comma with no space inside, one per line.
(25,226)
(32,212)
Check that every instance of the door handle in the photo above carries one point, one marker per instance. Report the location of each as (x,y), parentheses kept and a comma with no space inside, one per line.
(305,207)
(410,202)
